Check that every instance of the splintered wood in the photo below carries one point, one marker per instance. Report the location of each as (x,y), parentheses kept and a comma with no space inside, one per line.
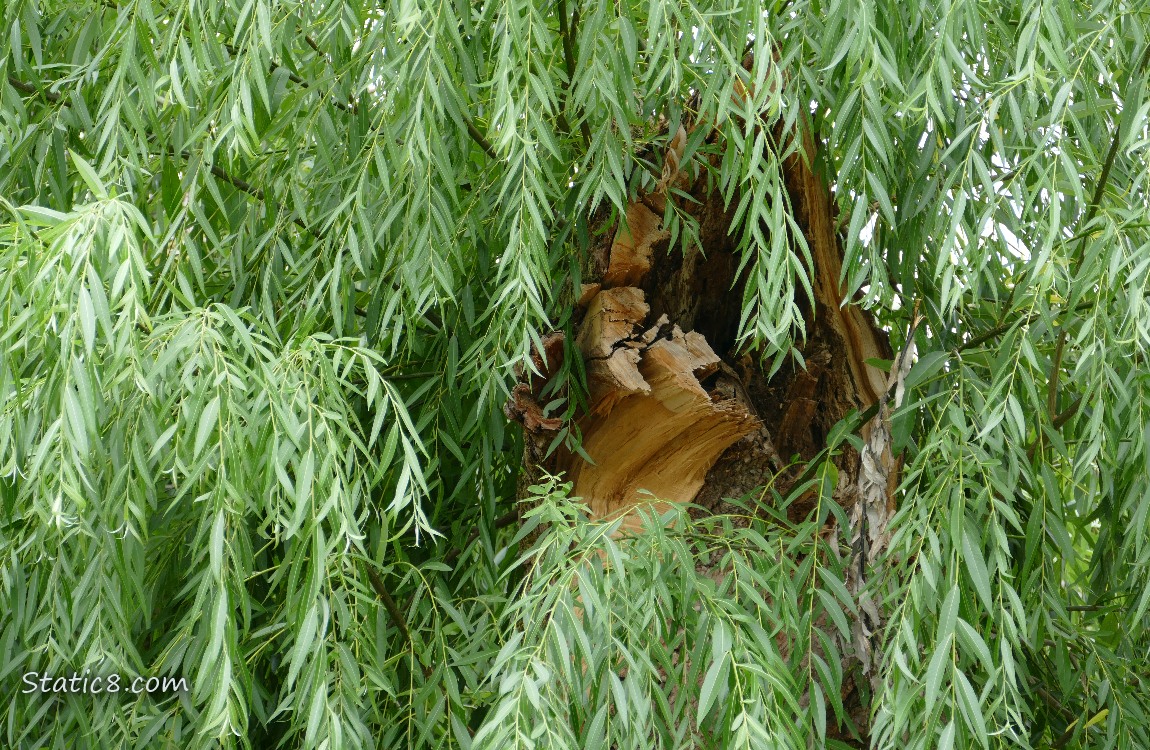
(812,206)
(651,425)
(631,251)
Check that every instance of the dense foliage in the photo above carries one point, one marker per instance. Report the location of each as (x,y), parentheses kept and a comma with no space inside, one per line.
(266,268)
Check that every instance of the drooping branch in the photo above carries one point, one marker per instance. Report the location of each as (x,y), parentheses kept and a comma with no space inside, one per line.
(273,66)
(478,137)
(246,187)
(1104,177)
(567,32)
(502,522)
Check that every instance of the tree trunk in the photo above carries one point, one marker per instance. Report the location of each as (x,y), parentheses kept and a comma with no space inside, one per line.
(674,408)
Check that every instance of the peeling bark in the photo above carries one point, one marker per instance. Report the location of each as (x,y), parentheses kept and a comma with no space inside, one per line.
(871,515)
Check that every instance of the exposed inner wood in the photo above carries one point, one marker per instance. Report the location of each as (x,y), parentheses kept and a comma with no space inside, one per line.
(631,251)
(861,339)
(651,425)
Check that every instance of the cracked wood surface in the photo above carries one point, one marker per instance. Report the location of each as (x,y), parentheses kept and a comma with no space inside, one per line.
(652,427)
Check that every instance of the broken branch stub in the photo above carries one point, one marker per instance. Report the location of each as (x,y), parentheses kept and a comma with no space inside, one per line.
(651,426)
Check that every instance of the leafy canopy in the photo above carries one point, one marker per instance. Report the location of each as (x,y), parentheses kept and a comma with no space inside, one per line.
(266,268)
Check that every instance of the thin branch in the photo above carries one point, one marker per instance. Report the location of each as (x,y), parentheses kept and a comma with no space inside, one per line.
(55,98)
(992,333)
(31,90)
(1066,736)
(1055,371)
(351,108)
(1049,698)
(1058,421)
(1107,165)
(1006,177)
(235,182)
(245,187)
(1051,395)
(1006,326)
(273,66)
(478,137)
(504,520)
(388,602)
(845,220)
(1065,416)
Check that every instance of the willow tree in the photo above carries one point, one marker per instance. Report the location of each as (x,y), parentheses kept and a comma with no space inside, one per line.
(663,374)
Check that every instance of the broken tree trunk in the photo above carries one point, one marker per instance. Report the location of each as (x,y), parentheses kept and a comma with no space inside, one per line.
(675,410)
(673,407)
